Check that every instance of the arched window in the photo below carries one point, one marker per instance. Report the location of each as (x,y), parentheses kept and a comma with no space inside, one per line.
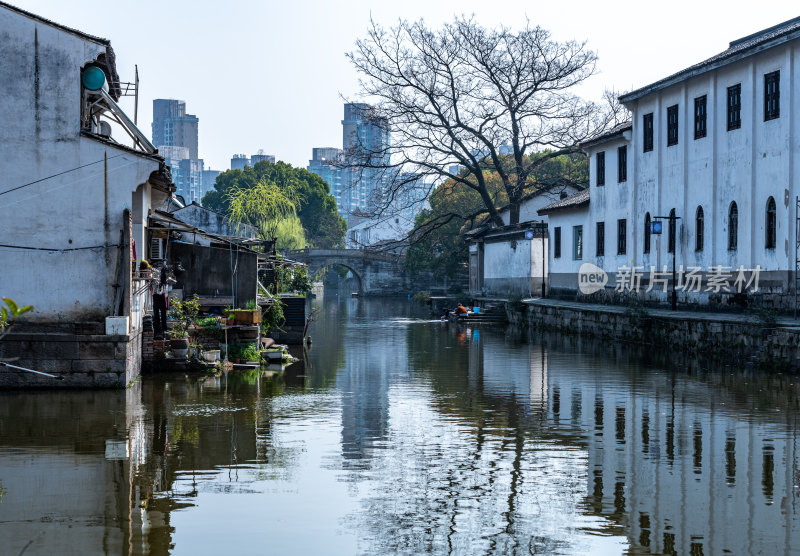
(699,222)
(733,226)
(647,233)
(770,243)
(672,230)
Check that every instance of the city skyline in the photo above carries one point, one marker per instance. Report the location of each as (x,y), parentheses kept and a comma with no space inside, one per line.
(288,121)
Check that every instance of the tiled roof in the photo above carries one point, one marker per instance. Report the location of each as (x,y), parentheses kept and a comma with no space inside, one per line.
(573,201)
(612,133)
(761,40)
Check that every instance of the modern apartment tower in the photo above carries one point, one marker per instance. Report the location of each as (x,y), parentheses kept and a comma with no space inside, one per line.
(356,190)
(365,140)
(175,136)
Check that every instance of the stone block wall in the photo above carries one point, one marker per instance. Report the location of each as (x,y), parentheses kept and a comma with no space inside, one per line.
(737,341)
(82,360)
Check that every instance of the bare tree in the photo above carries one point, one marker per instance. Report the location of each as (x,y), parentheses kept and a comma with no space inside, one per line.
(464,100)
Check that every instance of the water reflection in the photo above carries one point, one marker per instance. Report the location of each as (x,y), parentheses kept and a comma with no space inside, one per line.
(401,434)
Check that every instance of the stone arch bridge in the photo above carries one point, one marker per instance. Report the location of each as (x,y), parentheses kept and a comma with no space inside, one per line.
(378,273)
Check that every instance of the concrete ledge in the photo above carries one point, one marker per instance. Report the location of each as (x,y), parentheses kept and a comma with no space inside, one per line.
(735,338)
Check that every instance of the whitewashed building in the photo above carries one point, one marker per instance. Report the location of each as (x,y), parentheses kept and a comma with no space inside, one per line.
(715,146)
(78,182)
(513,259)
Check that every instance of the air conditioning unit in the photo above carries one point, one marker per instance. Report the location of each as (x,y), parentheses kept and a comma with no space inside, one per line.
(156,249)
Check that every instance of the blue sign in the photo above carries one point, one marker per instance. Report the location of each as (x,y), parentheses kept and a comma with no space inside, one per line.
(529,234)
(655,227)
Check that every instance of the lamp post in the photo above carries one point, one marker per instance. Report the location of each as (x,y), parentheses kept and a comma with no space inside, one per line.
(673,227)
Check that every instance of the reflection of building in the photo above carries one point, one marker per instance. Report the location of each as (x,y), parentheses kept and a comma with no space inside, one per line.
(672,461)
(86,479)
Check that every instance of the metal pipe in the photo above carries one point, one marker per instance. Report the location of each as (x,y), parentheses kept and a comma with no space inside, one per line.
(3,364)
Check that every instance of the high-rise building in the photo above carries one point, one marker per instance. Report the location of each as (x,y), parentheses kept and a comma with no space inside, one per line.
(365,139)
(173,127)
(239,161)
(209,179)
(323,163)
(175,136)
(261,157)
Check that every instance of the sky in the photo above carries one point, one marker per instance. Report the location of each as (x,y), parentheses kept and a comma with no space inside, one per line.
(273,75)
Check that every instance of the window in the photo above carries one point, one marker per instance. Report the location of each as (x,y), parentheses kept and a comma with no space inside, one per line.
(647,132)
(557,242)
(700,117)
(770,243)
(601,239)
(733,227)
(772,95)
(622,164)
(600,159)
(647,233)
(672,230)
(735,107)
(672,125)
(699,221)
(577,243)
(621,237)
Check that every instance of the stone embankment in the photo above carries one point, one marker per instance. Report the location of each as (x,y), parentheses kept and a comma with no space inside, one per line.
(736,338)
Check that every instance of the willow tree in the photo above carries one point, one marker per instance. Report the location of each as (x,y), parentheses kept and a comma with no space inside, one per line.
(463,100)
(270,210)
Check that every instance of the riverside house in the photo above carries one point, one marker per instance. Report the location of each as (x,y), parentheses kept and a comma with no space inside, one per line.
(78,182)
(715,146)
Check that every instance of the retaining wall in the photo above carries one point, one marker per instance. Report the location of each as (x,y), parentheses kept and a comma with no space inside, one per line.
(83,360)
(739,340)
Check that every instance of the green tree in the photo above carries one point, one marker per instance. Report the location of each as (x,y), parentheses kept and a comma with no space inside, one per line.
(315,206)
(271,210)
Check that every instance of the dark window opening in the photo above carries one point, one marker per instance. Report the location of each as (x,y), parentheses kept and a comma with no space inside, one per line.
(672,125)
(646,233)
(733,226)
(600,159)
(621,236)
(699,223)
(700,117)
(770,242)
(601,239)
(672,230)
(647,132)
(557,242)
(772,95)
(622,164)
(735,107)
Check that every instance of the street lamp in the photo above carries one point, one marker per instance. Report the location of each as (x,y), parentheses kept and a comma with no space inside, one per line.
(673,229)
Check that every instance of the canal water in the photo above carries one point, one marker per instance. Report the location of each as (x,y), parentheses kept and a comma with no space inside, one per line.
(400,434)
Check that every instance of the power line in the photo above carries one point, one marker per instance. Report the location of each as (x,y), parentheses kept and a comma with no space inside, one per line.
(53,250)
(59,174)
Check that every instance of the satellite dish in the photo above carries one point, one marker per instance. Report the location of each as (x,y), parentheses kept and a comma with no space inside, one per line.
(93,78)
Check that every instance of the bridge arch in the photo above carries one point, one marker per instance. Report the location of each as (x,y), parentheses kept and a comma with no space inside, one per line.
(315,267)
(378,273)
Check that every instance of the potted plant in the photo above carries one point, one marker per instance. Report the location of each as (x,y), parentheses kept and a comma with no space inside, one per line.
(183,314)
